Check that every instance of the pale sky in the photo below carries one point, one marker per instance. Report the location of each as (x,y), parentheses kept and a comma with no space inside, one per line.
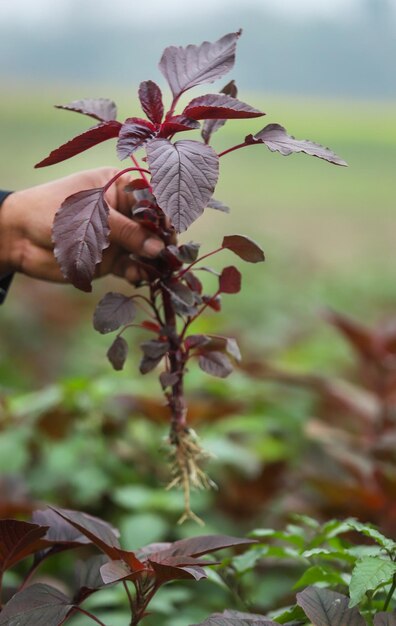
(30,11)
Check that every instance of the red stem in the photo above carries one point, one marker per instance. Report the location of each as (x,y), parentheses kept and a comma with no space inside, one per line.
(88,614)
(120,173)
(205,256)
(144,177)
(240,145)
(192,319)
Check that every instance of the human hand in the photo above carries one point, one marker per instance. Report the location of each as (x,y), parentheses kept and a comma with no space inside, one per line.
(26,219)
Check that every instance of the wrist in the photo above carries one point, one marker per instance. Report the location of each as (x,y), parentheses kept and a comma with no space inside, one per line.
(8,235)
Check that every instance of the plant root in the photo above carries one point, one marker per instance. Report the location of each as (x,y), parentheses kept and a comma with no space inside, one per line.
(187,456)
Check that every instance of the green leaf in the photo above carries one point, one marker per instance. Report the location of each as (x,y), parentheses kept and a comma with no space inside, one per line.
(374,534)
(367,575)
(319,574)
(288,614)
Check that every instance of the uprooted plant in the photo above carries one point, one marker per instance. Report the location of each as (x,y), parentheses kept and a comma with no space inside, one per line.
(170,192)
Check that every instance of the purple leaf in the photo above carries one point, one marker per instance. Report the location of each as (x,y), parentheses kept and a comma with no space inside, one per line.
(88,139)
(89,578)
(230,280)
(245,248)
(235,618)
(166,572)
(18,540)
(117,353)
(211,126)
(324,607)
(204,544)
(100,533)
(276,139)
(80,234)
(59,531)
(184,176)
(218,206)
(153,353)
(385,619)
(35,606)
(177,124)
(113,311)
(215,364)
(189,252)
(168,379)
(219,106)
(187,67)
(155,349)
(217,343)
(113,571)
(101,109)
(150,97)
(183,299)
(134,133)
(196,341)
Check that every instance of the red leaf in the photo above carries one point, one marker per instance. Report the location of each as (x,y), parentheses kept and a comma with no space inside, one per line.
(177,124)
(151,326)
(213,302)
(35,606)
(80,234)
(101,109)
(117,353)
(211,126)
(184,176)
(187,67)
(113,311)
(230,280)
(134,133)
(245,248)
(150,97)
(364,341)
(193,282)
(215,364)
(88,139)
(219,106)
(276,139)
(18,540)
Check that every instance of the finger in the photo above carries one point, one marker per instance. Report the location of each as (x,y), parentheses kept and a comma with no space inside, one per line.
(127,269)
(41,263)
(133,237)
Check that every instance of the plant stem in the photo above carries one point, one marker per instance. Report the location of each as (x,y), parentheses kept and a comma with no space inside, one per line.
(390,594)
(205,256)
(240,145)
(88,614)
(142,172)
(120,173)
(192,319)
(177,402)
(130,599)
(139,613)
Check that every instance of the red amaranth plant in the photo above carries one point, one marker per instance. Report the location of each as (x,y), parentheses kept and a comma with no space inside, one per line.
(171,191)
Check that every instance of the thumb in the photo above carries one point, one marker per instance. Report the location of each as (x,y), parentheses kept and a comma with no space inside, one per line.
(131,236)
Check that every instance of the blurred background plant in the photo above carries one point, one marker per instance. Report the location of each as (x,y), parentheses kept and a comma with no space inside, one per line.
(297,427)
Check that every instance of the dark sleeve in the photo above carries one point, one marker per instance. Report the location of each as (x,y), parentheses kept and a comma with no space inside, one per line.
(5,279)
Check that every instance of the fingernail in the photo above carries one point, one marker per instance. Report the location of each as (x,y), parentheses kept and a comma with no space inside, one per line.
(152,246)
